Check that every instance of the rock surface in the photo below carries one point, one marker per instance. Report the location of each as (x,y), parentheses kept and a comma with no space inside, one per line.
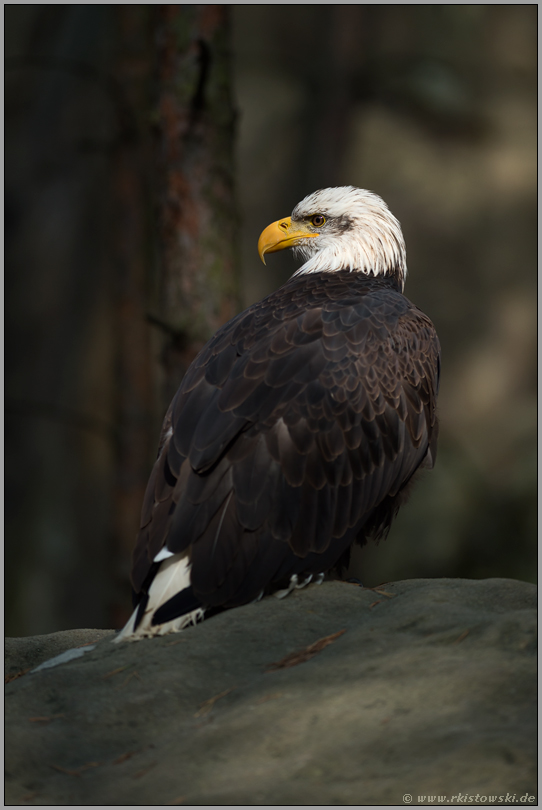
(430,691)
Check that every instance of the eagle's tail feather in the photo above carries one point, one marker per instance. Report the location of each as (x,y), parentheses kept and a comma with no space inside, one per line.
(172,579)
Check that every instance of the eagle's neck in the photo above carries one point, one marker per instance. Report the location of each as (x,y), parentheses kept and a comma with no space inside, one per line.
(373,246)
(376,261)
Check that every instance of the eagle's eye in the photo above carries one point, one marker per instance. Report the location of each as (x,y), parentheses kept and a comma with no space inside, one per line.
(318,220)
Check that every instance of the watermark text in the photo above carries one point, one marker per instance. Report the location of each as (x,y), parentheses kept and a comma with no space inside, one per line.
(471,798)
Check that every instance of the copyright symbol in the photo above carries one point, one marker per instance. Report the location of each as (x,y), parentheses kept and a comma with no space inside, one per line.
(407,798)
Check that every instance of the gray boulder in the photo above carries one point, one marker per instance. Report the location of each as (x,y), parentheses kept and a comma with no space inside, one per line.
(429,692)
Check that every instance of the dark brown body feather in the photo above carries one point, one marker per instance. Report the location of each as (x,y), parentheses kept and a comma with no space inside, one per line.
(292,435)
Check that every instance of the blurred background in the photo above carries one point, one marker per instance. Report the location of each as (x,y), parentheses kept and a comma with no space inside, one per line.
(146,148)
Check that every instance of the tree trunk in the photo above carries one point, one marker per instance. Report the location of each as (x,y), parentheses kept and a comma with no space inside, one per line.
(196,290)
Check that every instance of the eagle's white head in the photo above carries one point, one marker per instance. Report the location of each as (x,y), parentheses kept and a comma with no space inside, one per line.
(343,228)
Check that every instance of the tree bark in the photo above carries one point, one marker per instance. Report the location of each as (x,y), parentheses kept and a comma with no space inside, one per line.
(197,283)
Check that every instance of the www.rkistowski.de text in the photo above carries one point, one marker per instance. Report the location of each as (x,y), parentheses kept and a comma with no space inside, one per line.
(472,798)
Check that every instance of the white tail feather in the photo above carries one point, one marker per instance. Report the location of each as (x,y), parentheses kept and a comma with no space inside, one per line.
(173,576)
(163,554)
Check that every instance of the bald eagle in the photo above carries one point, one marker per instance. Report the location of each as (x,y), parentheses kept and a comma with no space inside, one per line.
(296,429)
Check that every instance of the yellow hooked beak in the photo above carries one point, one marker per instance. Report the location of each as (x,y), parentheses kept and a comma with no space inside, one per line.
(281,235)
